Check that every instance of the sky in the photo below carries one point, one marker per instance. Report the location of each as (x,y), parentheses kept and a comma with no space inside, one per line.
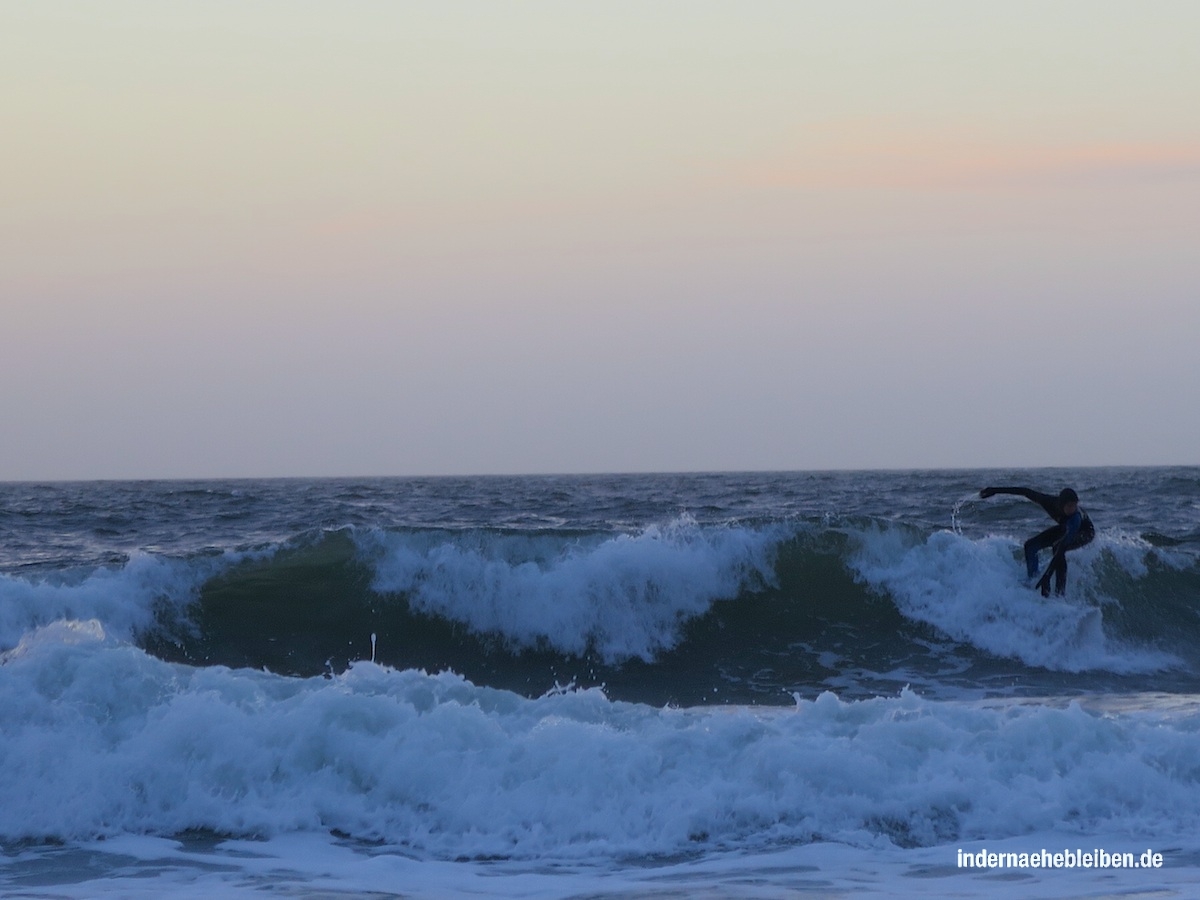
(373,238)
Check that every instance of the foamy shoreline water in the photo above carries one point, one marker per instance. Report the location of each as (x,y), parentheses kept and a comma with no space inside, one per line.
(315,866)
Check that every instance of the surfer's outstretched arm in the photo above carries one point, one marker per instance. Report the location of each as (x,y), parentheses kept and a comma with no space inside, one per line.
(1047,502)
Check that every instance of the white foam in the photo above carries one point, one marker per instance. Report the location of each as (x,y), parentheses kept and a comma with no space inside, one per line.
(1132,553)
(65,632)
(101,739)
(123,598)
(970,590)
(624,596)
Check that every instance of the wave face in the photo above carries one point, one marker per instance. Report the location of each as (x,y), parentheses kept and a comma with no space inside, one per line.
(684,613)
(677,613)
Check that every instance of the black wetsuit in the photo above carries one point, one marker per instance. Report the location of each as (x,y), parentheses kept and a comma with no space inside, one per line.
(1070,533)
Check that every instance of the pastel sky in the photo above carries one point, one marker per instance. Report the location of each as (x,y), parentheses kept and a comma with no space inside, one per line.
(375,238)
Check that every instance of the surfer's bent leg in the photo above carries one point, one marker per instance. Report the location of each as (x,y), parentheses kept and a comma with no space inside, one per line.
(1060,561)
(1036,544)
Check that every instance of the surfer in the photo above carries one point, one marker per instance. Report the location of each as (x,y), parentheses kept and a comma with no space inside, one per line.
(1072,531)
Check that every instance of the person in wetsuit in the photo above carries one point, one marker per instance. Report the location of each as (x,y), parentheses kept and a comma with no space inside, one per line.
(1074,529)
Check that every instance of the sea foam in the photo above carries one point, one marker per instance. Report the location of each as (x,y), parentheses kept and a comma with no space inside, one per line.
(972,591)
(623,596)
(124,598)
(102,739)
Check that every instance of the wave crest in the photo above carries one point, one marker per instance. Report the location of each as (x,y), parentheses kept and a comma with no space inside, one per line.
(622,596)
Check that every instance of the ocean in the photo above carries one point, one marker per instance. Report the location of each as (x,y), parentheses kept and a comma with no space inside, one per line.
(818,684)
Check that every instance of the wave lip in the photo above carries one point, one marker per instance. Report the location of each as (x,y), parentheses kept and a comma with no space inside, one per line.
(621,596)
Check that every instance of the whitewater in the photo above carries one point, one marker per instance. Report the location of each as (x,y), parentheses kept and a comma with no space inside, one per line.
(742,685)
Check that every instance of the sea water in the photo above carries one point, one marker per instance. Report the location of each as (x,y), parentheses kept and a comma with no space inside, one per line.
(721,685)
